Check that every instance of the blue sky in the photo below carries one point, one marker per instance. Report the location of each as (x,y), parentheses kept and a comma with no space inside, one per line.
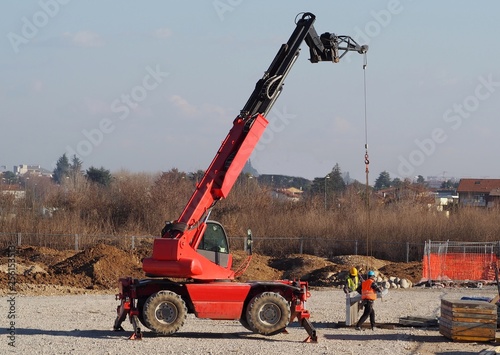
(150,86)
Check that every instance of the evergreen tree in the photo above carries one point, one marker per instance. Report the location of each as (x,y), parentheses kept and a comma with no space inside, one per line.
(61,170)
(100,176)
(75,172)
(9,178)
(397,182)
(383,181)
(328,186)
(76,165)
(318,185)
(336,183)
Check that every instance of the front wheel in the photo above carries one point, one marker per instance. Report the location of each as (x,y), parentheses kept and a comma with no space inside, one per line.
(268,313)
(164,312)
(244,323)
(140,307)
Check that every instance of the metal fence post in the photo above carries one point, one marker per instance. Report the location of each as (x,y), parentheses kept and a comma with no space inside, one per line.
(407,252)
(356,247)
(301,246)
(133,242)
(428,253)
(76,243)
(18,239)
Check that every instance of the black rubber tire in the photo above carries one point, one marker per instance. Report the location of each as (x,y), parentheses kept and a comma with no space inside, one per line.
(244,323)
(164,312)
(140,308)
(268,313)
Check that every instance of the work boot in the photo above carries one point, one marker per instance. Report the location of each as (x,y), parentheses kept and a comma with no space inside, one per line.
(357,328)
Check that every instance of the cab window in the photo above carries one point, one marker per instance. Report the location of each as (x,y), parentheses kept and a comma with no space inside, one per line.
(214,239)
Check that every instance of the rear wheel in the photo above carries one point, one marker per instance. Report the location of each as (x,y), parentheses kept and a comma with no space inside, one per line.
(164,312)
(268,313)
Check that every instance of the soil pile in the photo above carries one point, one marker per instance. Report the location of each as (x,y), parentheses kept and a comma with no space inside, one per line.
(100,266)
(258,269)
(97,268)
(42,255)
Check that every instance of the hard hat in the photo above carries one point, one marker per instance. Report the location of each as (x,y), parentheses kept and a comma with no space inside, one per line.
(371,273)
(353,271)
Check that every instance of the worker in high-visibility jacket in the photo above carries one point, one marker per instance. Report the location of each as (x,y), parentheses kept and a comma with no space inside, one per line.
(353,281)
(369,289)
(352,289)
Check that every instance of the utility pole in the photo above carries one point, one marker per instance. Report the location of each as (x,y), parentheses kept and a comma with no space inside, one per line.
(326,178)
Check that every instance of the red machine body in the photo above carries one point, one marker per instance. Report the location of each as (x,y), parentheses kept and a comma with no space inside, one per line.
(175,254)
(196,249)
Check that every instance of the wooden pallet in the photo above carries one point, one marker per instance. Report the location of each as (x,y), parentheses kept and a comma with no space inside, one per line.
(418,321)
(465,320)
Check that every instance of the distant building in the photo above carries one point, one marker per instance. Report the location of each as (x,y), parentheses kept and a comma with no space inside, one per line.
(290,194)
(13,190)
(479,192)
(415,193)
(446,200)
(34,170)
(435,182)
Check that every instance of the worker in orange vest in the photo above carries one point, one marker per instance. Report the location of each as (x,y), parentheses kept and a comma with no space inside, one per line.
(369,289)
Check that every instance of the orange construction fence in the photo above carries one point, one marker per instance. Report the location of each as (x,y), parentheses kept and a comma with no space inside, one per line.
(459,266)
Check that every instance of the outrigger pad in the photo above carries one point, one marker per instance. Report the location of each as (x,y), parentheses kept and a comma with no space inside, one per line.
(136,336)
(137,330)
(310,340)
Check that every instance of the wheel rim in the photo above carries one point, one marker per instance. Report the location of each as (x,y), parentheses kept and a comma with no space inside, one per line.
(270,314)
(166,313)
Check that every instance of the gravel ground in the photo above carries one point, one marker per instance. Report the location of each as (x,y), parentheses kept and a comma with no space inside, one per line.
(81,324)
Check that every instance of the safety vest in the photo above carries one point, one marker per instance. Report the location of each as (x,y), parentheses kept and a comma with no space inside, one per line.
(352,283)
(367,292)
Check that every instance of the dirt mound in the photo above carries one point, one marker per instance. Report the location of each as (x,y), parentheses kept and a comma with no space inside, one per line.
(411,271)
(100,266)
(258,270)
(39,255)
(24,269)
(300,266)
(362,263)
(331,275)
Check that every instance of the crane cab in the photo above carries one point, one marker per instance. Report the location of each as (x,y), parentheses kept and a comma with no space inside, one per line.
(214,244)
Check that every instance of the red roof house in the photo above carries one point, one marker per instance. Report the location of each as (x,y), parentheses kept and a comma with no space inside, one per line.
(479,192)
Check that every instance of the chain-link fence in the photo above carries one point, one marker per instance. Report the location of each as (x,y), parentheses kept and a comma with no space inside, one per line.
(329,247)
(75,242)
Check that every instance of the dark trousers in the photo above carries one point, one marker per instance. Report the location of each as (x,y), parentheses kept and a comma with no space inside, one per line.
(368,312)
